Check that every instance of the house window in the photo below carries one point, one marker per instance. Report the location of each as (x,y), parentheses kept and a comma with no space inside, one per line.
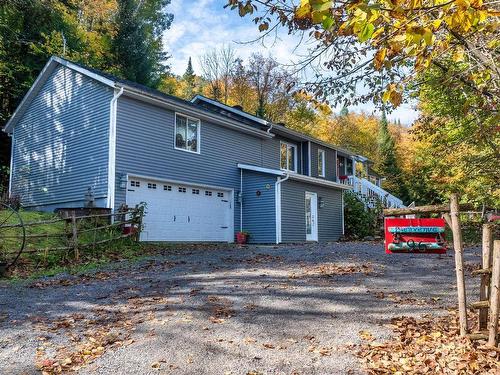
(220,195)
(167,187)
(187,133)
(196,191)
(321,163)
(349,167)
(151,186)
(208,193)
(288,157)
(182,189)
(135,183)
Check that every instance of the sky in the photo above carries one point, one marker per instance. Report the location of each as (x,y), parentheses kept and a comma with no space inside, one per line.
(202,25)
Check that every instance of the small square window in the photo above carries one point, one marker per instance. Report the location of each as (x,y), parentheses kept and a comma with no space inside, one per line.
(182,189)
(196,191)
(220,195)
(208,193)
(135,183)
(167,187)
(151,186)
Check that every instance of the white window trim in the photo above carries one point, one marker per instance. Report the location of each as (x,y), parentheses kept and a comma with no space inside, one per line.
(198,133)
(323,163)
(294,159)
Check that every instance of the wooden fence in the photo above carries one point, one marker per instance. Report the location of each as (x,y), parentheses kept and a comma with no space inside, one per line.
(75,233)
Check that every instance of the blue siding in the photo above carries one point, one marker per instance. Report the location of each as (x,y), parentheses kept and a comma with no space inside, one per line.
(61,143)
(293,223)
(331,162)
(145,146)
(259,210)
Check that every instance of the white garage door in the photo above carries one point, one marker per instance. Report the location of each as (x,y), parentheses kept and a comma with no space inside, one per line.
(182,213)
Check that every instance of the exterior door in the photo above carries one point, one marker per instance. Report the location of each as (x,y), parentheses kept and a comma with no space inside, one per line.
(311,216)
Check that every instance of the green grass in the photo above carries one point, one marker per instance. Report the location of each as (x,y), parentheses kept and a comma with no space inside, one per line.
(38,258)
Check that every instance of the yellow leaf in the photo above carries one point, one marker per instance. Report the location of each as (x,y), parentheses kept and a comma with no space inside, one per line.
(304,10)
(459,56)
(379,58)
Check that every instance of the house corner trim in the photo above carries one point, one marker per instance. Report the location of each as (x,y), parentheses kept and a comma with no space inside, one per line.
(112,148)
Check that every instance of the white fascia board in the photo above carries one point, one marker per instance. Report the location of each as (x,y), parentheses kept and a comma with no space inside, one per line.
(192,111)
(231,109)
(318,181)
(255,168)
(84,71)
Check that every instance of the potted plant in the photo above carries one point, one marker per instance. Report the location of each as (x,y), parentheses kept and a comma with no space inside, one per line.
(242,237)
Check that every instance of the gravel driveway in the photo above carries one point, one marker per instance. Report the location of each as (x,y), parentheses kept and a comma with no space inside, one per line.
(221,310)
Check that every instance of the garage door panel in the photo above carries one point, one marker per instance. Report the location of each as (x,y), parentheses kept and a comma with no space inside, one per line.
(182,212)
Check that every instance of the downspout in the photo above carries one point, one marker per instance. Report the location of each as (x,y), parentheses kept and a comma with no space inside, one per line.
(277,190)
(112,148)
(241,200)
(268,131)
(11,170)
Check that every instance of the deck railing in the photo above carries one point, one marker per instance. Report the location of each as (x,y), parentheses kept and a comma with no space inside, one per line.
(372,192)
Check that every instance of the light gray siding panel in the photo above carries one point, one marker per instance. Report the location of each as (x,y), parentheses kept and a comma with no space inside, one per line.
(331,162)
(61,143)
(145,146)
(293,223)
(259,210)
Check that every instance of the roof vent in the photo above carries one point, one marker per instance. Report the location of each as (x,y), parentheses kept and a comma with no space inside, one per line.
(238,107)
(282,124)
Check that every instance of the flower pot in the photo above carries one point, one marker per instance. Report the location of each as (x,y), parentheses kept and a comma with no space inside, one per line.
(241,238)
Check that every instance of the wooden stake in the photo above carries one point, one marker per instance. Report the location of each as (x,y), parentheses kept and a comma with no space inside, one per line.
(494,296)
(75,236)
(484,292)
(459,263)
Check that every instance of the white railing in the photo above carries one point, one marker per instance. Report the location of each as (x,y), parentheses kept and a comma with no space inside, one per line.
(373,192)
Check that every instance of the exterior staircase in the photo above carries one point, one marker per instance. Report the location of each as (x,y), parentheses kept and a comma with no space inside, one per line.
(372,193)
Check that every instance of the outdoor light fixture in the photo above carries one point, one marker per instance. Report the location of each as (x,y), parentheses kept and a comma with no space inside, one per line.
(321,202)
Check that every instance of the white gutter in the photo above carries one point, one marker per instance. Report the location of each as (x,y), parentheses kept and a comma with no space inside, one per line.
(277,190)
(112,149)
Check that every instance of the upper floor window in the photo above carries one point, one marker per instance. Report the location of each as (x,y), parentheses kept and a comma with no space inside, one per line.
(321,163)
(187,133)
(288,157)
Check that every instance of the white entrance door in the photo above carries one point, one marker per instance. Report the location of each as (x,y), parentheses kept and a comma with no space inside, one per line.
(182,213)
(311,216)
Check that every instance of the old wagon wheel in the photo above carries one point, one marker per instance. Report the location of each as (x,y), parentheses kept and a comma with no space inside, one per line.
(12,236)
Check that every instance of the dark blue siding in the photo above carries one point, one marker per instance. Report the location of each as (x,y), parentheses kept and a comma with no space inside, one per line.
(61,143)
(293,223)
(331,162)
(259,210)
(145,146)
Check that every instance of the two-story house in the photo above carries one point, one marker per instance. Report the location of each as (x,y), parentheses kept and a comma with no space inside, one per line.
(205,170)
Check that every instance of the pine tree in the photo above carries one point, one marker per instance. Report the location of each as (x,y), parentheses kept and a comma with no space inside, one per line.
(189,78)
(388,160)
(138,44)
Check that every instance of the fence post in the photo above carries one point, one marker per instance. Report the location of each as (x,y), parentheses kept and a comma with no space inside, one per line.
(459,262)
(484,290)
(494,295)
(75,236)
